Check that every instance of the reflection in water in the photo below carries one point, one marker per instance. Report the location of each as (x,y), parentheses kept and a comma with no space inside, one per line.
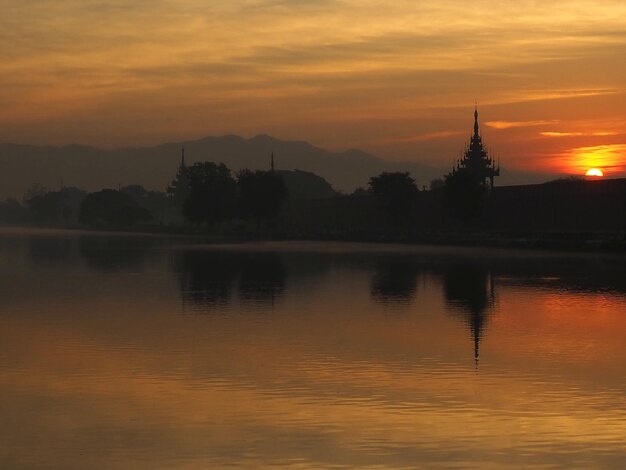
(262,277)
(206,277)
(469,292)
(117,253)
(51,251)
(394,281)
(101,370)
(468,288)
(209,277)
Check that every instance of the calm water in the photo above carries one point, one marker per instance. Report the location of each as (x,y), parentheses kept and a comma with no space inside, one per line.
(138,352)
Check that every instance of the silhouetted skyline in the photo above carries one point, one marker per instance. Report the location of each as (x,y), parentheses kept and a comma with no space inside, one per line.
(394,80)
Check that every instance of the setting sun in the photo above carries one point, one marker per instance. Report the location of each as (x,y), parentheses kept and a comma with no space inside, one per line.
(594,172)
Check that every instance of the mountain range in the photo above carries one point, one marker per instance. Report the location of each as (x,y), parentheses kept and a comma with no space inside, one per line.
(92,168)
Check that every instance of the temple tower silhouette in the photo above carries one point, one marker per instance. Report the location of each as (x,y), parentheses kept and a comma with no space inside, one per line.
(179,189)
(476,161)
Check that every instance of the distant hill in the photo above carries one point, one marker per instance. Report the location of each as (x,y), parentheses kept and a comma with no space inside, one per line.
(153,167)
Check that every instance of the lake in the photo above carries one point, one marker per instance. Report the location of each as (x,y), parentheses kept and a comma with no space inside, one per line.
(140,352)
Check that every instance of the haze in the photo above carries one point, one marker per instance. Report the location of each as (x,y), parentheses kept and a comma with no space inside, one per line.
(396,79)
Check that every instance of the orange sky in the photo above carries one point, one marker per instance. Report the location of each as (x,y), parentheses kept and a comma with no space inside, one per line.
(397,79)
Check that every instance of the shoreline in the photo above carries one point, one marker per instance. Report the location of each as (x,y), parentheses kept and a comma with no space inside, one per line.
(581,242)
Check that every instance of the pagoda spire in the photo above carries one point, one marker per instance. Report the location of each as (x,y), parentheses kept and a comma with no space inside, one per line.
(476,120)
(475,160)
(182,159)
(272,163)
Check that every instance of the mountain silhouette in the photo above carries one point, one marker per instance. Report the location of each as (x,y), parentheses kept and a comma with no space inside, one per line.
(92,169)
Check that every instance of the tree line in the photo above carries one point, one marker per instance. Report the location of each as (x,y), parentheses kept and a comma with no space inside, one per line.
(204,193)
(208,193)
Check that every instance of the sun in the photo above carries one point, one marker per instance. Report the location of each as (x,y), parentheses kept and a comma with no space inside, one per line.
(594,172)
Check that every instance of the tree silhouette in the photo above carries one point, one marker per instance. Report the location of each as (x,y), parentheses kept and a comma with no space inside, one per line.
(12,212)
(136,191)
(261,194)
(35,189)
(212,193)
(46,208)
(395,192)
(156,202)
(437,184)
(72,199)
(56,206)
(113,208)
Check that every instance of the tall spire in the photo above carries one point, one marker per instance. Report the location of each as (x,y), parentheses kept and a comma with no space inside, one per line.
(272,162)
(182,160)
(476,120)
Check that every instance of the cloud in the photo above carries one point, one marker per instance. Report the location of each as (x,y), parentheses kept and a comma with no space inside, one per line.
(418,137)
(577,134)
(514,124)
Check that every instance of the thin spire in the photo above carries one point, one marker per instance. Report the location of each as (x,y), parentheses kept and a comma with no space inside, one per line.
(182,159)
(272,162)
(476,120)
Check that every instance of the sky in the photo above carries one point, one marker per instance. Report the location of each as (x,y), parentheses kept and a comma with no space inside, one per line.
(398,79)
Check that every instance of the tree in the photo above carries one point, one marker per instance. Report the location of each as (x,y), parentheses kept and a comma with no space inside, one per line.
(395,192)
(72,199)
(212,193)
(112,208)
(46,208)
(156,202)
(437,184)
(56,206)
(261,194)
(12,212)
(136,191)
(35,189)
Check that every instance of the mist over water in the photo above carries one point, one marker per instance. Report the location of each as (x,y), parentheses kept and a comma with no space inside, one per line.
(121,351)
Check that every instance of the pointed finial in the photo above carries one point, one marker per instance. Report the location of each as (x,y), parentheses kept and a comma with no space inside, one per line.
(272,162)
(476,119)
(182,160)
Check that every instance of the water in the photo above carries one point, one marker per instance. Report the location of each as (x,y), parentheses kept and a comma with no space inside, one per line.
(154,352)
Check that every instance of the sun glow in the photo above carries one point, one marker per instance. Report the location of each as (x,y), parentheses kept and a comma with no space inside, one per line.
(596,172)
(603,158)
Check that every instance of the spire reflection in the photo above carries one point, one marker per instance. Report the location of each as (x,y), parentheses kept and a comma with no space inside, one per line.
(469,293)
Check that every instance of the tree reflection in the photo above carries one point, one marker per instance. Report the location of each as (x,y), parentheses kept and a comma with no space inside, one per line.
(262,277)
(394,282)
(468,289)
(52,251)
(210,278)
(116,253)
(207,277)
